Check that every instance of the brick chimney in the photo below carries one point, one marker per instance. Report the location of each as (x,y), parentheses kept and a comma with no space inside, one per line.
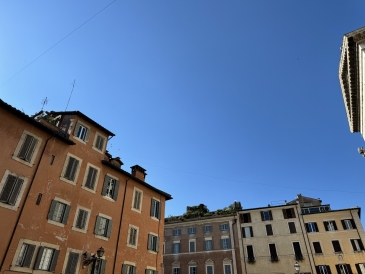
(139,172)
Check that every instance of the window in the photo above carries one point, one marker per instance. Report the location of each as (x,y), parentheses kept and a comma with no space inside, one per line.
(208,244)
(70,170)
(103,226)
(110,187)
(59,212)
(82,217)
(360,268)
(72,262)
(176,270)
(250,254)
(153,243)
(209,269)
(223,227)
(348,224)
(317,247)
(292,228)
(11,188)
(208,228)
(176,232)
(99,142)
(323,269)
(297,251)
(357,244)
(25,255)
(191,230)
(273,254)
(192,246)
(269,231)
(99,266)
(266,215)
(247,232)
(288,213)
(193,270)
(227,269)
(336,246)
(176,248)
(46,259)
(330,225)
(343,269)
(91,177)
(133,234)
(155,208)
(82,132)
(27,148)
(311,227)
(137,199)
(225,243)
(128,269)
(245,218)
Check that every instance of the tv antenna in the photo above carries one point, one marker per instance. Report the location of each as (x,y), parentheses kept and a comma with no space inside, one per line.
(44,102)
(73,86)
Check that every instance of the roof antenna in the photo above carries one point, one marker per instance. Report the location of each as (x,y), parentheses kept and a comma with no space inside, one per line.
(44,102)
(73,85)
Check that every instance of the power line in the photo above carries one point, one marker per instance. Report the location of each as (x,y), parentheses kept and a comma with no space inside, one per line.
(96,14)
(246,182)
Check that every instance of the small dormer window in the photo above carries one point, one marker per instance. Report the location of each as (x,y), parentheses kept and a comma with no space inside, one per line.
(82,132)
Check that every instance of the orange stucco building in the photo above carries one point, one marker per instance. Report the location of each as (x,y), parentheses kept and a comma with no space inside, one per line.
(62,197)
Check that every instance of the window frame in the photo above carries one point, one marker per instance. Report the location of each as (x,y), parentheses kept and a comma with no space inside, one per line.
(330,225)
(224,227)
(211,245)
(177,268)
(333,246)
(108,230)
(274,257)
(129,244)
(310,226)
(320,247)
(358,244)
(155,214)
(225,270)
(208,229)
(74,227)
(131,267)
(20,193)
(65,214)
(193,267)
(86,175)
(98,134)
(135,191)
(20,145)
(65,262)
(176,232)
(269,230)
(243,231)
(86,138)
(295,228)
(65,166)
(206,268)
(104,192)
(150,243)
(192,230)
(225,243)
(190,242)
(175,244)
(345,223)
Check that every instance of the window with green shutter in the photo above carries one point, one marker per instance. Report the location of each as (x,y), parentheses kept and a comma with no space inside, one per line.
(153,243)
(59,212)
(128,269)
(27,149)
(82,132)
(92,174)
(110,188)
(71,169)
(46,259)
(81,219)
(11,189)
(72,262)
(25,255)
(103,227)
(155,208)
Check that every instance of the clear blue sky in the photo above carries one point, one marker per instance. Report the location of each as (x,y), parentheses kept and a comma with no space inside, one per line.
(218,100)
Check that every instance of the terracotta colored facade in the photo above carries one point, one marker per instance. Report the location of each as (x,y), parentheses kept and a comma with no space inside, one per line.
(65,195)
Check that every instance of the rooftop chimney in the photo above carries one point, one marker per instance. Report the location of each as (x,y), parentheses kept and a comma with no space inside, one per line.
(139,172)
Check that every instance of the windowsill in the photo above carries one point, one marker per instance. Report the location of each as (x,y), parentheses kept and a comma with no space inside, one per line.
(78,139)
(101,237)
(136,210)
(154,218)
(132,246)
(41,271)
(88,189)
(12,207)
(358,251)
(67,181)
(98,150)
(108,199)
(152,252)
(55,223)
(318,254)
(21,269)
(30,164)
(338,252)
(79,229)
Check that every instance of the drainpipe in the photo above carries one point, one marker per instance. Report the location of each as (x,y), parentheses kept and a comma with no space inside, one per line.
(233,248)
(241,244)
(120,225)
(25,200)
(158,233)
(310,252)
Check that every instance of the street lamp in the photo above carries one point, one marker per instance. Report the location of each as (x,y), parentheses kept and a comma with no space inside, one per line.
(93,259)
(297,267)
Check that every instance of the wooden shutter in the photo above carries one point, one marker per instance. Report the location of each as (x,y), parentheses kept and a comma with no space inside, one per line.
(52,267)
(336,246)
(349,268)
(16,189)
(105,186)
(292,228)
(29,256)
(270,213)
(317,270)
(25,148)
(66,214)
(68,171)
(116,190)
(353,223)
(109,228)
(358,269)
(343,224)
(251,231)
(157,244)
(6,191)
(334,225)
(102,266)
(152,207)
(317,247)
(91,177)
(328,269)
(39,257)
(97,224)
(315,225)
(51,210)
(297,249)
(124,269)
(269,231)
(149,242)
(74,169)
(159,210)
(262,216)
(284,214)
(338,269)
(76,130)
(87,135)
(293,213)
(360,244)
(325,225)
(249,217)
(353,245)
(134,269)
(272,249)
(71,266)
(31,149)
(243,232)
(250,251)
